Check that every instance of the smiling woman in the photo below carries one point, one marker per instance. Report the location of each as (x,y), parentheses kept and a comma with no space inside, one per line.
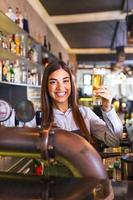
(59,105)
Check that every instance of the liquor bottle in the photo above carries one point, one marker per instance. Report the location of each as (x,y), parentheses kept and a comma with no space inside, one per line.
(17,71)
(60,56)
(17,42)
(24,73)
(22,46)
(13,44)
(35,54)
(19,18)
(30,53)
(17,12)
(4,43)
(49,46)
(45,41)
(45,59)
(25,24)
(12,73)
(11,14)
(5,71)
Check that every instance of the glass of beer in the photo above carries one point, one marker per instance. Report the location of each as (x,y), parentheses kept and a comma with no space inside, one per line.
(97,80)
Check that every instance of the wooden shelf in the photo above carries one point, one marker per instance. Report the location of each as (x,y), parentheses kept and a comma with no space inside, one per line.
(8,26)
(10,83)
(7,55)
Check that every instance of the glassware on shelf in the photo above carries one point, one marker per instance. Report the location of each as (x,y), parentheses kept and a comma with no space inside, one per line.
(11,14)
(24,73)
(45,59)
(23,46)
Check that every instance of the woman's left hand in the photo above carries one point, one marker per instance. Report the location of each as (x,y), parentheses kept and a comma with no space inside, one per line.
(105,94)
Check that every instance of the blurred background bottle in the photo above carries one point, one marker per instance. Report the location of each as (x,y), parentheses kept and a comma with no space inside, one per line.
(11,14)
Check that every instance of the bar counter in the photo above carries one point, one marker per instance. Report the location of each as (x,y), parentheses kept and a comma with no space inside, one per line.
(89,179)
(16,186)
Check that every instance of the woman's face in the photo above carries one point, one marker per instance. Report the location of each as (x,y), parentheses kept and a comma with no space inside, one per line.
(59,87)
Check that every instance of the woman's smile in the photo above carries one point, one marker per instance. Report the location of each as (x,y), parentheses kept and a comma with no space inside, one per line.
(60,94)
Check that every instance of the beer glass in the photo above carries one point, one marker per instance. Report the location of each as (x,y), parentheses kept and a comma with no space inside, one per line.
(97,80)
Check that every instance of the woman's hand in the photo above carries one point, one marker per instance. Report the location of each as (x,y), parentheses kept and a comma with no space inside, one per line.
(105,94)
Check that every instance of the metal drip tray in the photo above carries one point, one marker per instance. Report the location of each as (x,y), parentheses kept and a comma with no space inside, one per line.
(14,164)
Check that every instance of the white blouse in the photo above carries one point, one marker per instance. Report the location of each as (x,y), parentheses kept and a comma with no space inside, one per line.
(109,131)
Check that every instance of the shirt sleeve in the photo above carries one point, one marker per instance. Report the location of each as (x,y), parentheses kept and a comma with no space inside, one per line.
(109,131)
(114,127)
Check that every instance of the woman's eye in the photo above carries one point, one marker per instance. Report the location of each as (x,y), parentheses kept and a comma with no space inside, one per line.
(52,82)
(66,81)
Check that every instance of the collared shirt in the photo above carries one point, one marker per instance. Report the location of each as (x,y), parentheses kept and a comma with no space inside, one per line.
(109,131)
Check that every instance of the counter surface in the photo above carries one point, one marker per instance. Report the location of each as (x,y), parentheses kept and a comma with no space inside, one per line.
(16,186)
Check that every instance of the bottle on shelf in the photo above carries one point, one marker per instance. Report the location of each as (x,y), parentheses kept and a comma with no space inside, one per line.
(17,43)
(13,44)
(8,73)
(30,53)
(35,55)
(45,59)
(45,41)
(11,14)
(33,77)
(5,71)
(12,73)
(29,81)
(17,13)
(25,23)
(24,73)
(19,18)
(3,41)
(60,56)
(17,71)
(22,46)
(49,46)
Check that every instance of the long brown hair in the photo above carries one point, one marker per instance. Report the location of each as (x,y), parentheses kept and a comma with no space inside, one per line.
(46,100)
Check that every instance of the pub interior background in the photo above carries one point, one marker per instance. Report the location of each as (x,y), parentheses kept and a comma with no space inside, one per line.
(96,35)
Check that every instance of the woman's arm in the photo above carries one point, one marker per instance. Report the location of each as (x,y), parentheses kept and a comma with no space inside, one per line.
(109,131)
(113,125)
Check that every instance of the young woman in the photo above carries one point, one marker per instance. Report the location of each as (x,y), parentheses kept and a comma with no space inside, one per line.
(59,105)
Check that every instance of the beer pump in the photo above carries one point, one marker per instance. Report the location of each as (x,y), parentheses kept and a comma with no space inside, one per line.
(53,144)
